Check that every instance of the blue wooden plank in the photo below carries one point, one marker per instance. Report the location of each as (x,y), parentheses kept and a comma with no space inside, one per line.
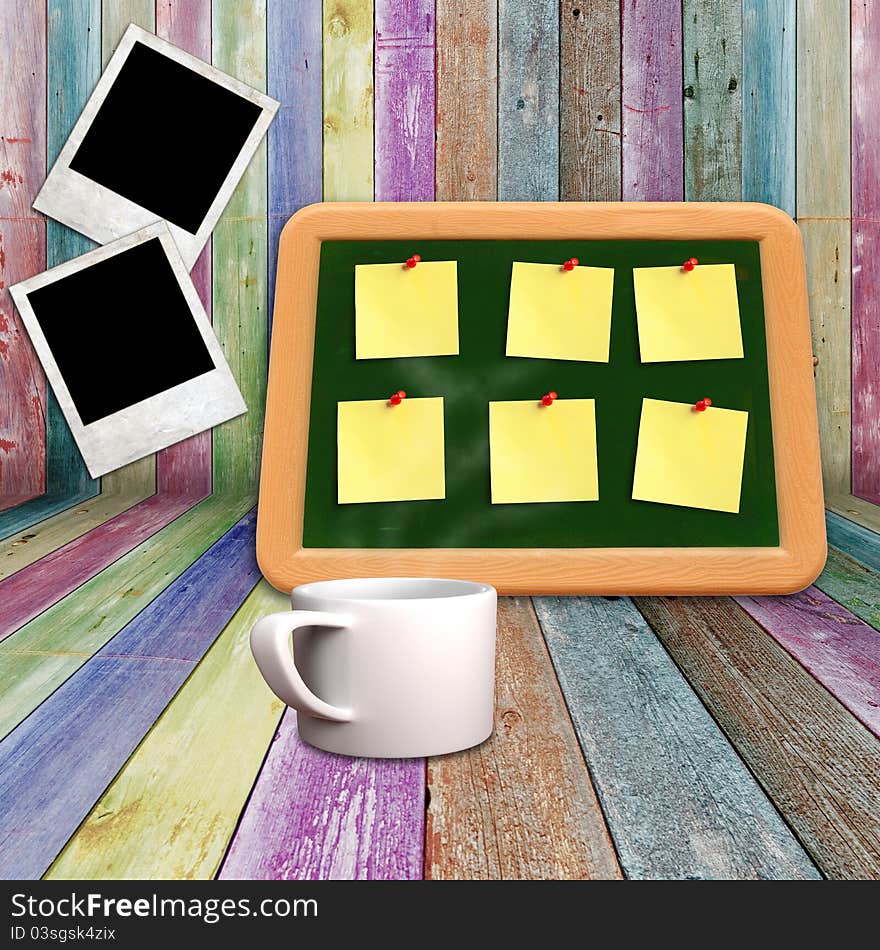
(295,137)
(678,800)
(768,128)
(860,543)
(55,765)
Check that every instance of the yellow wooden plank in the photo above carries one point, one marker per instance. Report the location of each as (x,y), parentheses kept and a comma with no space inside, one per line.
(173,808)
(348,100)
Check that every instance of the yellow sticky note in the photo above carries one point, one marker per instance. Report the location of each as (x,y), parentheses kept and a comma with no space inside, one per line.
(690,458)
(390,453)
(543,453)
(401,311)
(560,315)
(687,315)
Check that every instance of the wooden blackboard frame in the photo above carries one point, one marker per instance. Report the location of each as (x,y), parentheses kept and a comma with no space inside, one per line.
(791,566)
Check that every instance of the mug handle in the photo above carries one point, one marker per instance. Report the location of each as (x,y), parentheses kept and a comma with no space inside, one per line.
(269,644)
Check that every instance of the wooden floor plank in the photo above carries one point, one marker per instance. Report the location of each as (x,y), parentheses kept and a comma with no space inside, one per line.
(88,728)
(40,656)
(679,802)
(314,815)
(817,762)
(173,808)
(858,510)
(835,645)
(853,539)
(521,805)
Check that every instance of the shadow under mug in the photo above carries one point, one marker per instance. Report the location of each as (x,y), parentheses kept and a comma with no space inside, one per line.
(385,667)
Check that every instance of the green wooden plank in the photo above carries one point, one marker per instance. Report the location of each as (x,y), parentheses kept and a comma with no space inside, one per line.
(240,260)
(172,810)
(853,585)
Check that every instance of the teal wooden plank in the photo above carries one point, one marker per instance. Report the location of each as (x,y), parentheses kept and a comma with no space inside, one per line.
(678,800)
(858,542)
(768,127)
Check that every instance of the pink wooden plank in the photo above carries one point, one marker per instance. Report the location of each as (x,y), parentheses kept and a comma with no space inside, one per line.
(404,100)
(317,816)
(653,166)
(865,251)
(841,651)
(186,467)
(36,587)
(22,247)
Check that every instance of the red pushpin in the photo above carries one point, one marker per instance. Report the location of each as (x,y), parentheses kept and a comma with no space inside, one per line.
(397,398)
(570,264)
(548,399)
(689,264)
(703,404)
(412,261)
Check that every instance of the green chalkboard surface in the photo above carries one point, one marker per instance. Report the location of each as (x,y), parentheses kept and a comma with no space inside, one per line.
(481,372)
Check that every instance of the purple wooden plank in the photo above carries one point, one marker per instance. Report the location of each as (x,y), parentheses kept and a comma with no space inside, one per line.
(840,650)
(55,764)
(865,252)
(653,163)
(404,100)
(317,816)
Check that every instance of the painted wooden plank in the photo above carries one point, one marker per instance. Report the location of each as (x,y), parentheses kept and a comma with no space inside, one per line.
(857,510)
(855,586)
(313,815)
(240,256)
(679,802)
(40,656)
(73,62)
(348,100)
(823,210)
(651,72)
(467,100)
(173,808)
(589,101)
(857,542)
(294,57)
(865,252)
(521,805)
(712,59)
(528,100)
(186,467)
(768,153)
(90,726)
(817,762)
(404,102)
(838,648)
(22,247)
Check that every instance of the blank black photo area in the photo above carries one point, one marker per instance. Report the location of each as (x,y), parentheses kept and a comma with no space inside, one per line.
(165,137)
(120,331)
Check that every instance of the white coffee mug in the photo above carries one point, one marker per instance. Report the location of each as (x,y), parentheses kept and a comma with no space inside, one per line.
(387,667)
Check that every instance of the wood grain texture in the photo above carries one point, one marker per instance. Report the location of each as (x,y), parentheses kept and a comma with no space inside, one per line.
(521,805)
(854,540)
(865,252)
(678,800)
(819,764)
(22,248)
(589,101)
(313,815)
(89,727)
(467,100)
(857,510)
(651,71)
(404,71)
(768,152)
(295,138)
(528,100)
(823,210)
(791,566)
(186,467)
(348,100)
(173,808)
(240,256)
(855,586)
(115,18)
(40,656)
(712,60)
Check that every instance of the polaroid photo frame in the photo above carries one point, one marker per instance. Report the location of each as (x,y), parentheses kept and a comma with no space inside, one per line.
(128,349)
(164,137)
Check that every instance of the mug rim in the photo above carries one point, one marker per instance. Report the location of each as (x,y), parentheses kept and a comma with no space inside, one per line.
(327,590)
